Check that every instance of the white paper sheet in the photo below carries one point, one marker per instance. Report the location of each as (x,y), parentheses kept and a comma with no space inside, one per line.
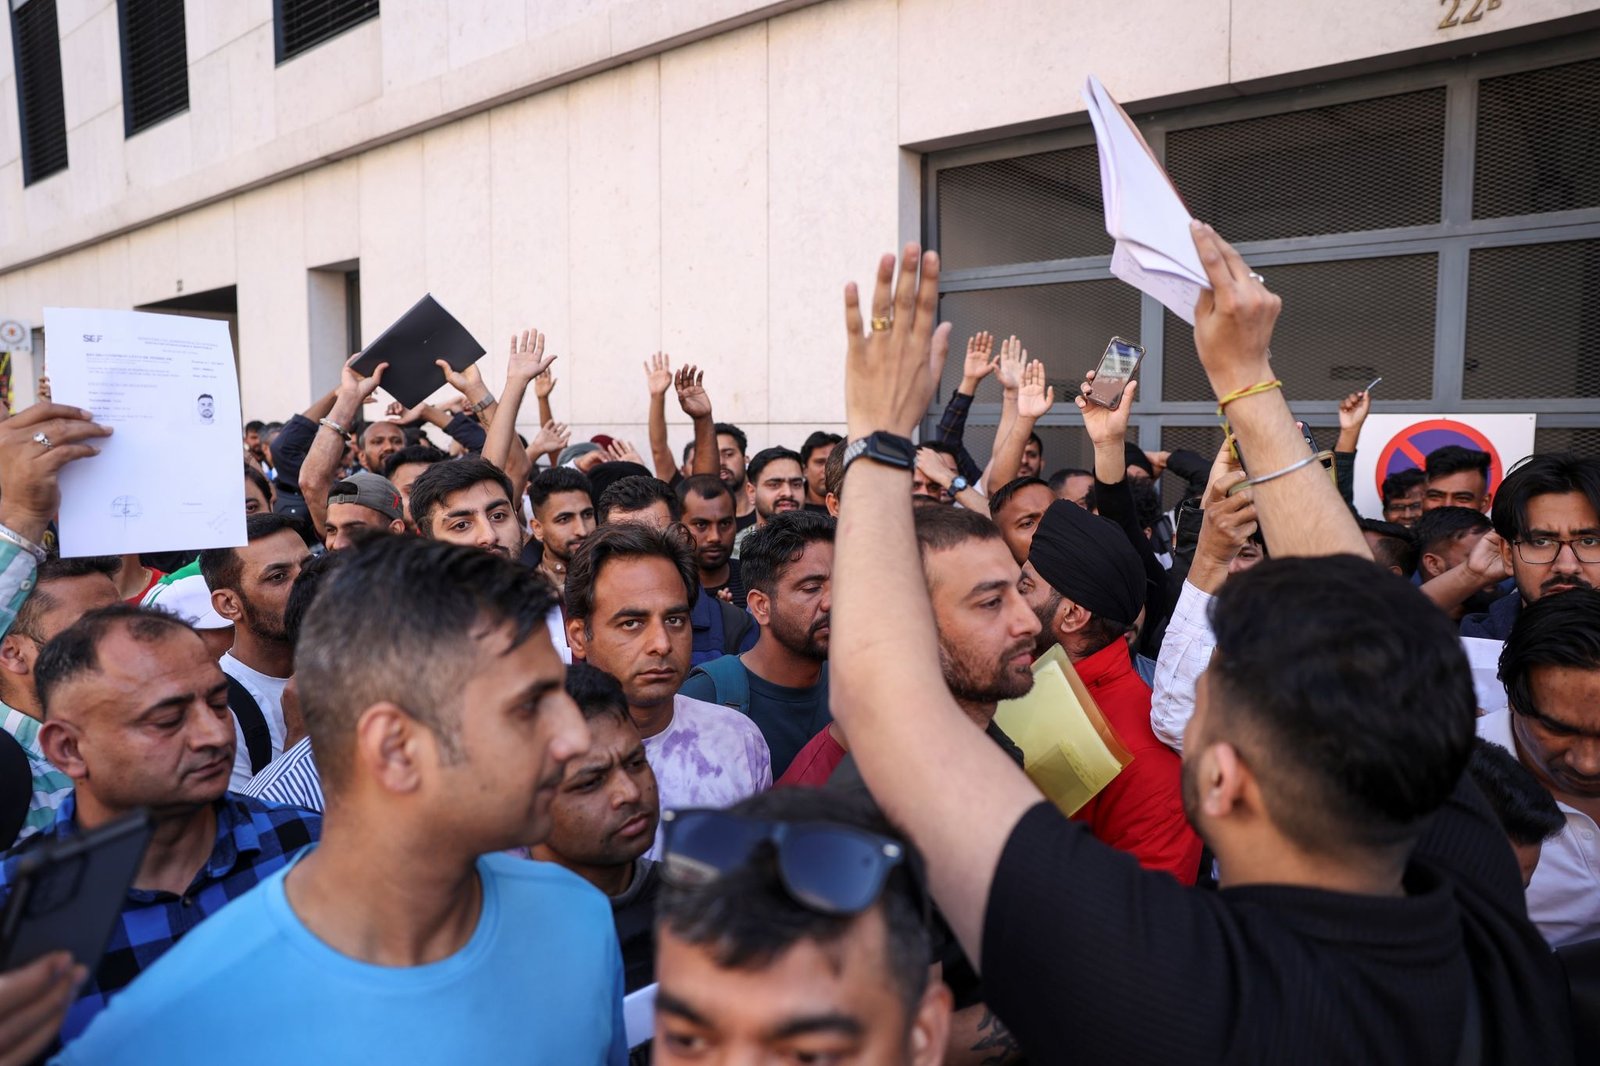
(1483,656)
(171,477)
(639,1015)
(1154,250)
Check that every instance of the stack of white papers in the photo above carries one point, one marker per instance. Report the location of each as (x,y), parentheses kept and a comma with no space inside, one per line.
(1155,251)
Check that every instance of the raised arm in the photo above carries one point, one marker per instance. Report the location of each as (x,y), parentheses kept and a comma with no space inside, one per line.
(658,378)
(952,427)
(696,403)
(322,461)
(1034,400)
(1008,370)
(526,361)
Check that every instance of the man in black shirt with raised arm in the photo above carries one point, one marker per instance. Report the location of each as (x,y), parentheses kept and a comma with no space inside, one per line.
(1370,908)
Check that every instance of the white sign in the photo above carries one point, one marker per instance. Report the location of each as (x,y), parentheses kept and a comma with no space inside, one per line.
(171,476)
(1391,443)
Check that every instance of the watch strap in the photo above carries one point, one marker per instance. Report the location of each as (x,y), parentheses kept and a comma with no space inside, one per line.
(885,448)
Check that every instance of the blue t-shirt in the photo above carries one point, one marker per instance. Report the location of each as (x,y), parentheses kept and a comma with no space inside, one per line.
(540,981)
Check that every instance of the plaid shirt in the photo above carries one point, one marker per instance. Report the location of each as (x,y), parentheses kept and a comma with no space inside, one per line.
(952,427)
(254,839)
(51,787)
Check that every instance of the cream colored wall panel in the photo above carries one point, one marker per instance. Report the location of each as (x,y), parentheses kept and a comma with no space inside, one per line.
(157,156)
(481,28)
(615,248)
(10,139)
(274,370)
(70,14)
(638,23)
(90,145)
(329,80)
(545,17)
(528,245)
(975,64)
(393,271)
(253,107)
(210,24)
(91,66)
(714,218)
(153,262)
(13,205)
(210,117)
(114,265)
(206,243)
(333,213)
(834,189)
(47,204)
(456,230)
(416,41)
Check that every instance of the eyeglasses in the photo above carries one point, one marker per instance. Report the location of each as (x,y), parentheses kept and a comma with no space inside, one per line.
(1538,551)
(1404,506)
(829,868)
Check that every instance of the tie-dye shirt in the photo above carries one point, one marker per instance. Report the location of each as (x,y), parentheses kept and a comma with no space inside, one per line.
(708,756)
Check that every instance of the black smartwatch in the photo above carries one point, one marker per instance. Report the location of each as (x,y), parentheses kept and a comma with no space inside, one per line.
(883,448)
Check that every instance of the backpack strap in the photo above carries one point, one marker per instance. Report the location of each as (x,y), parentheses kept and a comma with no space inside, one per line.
(732,683)
(252,723)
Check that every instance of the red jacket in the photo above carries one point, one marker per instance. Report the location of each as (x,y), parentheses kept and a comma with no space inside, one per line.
(1141,811)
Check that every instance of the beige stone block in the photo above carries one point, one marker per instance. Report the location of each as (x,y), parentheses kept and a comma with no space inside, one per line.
(153,264)
(274,371)
(114,265)
(482,28)
(10,137)
(714,204)
(970,65)
(252,103)
(833,175)
(47,205)
(1272,37)
(13,202)
(456,230)
(529,246)
(332,78)
(91,67)
(210,24)
(159,156)
(393,272)
(210,109)
(70,14)
(615,246)
(416,41)
(638,23)
(333,212)
(95,148)
(206,247)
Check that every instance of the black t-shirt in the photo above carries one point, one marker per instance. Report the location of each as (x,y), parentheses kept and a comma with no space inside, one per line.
(745,521)
(635,914)
(1088,958)
(734,584)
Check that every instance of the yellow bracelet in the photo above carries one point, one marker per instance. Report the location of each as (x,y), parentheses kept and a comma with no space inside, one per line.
(1249,390)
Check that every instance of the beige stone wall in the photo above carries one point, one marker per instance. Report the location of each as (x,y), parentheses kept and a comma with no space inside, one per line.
(699,176)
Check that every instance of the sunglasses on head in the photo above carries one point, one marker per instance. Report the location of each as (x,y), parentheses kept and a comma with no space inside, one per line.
(827,867)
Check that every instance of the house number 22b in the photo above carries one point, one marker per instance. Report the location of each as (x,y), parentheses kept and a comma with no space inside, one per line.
(1454,17)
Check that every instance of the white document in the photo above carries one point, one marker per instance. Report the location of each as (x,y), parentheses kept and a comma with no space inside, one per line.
(171,476)
(639,1015)
(1483,656)
(1155,251)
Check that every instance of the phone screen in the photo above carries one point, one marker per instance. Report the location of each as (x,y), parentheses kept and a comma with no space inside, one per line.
(1111,377)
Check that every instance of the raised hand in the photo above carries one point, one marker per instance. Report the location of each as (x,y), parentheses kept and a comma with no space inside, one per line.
(622,451)
(1353,410)
(889,371)
(692,396)
(1035,399)
(351,383)
(979,362)
(932,467)
(468,382)
(1105,425)
(409,416)
(1234,318)
(1228,521)
(1012,362)
(1487,559)
(29,468)
(658,373)
(553,436)
(527,359)
(544,385)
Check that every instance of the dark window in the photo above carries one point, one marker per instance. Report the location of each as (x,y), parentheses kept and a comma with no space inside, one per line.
(36,50)
(304,24)
(155,62)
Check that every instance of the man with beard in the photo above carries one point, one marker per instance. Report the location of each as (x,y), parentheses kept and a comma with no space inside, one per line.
(1086,584)
(782,683)
(1446,537)
(709,514)
(814,457)
(359,506)
(603,819)
(777,484)
(467,501)
(732,446)
(136,713)
(563,517)
(250,588)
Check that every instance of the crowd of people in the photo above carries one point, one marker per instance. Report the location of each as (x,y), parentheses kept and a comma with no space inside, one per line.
(479,743)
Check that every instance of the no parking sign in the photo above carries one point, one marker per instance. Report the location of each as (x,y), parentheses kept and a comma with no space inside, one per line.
(1391,443)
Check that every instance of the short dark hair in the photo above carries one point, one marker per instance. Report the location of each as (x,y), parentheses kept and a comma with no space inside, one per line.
(396,621)
(706,487)
(1543,475)
(1004,493)
(625,540)
(255,425)
(766,456)
(222,568)
(1561,630)
(942,528)
(1524,808)
(447,478)
(1402,483)
(687,448)
(205,396)
(736,433)
(817,439)
(1146,502)
(833,473)
(1059,478)
(769,549)
(74,651)
(597,693)
(313,575)
(746,919)
(258,479)
(635,494)
(53,569)
(1454,459)
(1442,525)
(603,475)
(1350,693)
(413,453)
(557,479)
(1395,548)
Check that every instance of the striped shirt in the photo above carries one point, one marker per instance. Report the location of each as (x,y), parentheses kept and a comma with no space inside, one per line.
(50,786)
(291,778)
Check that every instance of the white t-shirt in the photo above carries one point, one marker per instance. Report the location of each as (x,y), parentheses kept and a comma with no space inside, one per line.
(268,693)
(708,756)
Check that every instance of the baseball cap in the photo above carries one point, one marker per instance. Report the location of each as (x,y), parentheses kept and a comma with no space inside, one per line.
(369,490)
(572,453)
(189,599)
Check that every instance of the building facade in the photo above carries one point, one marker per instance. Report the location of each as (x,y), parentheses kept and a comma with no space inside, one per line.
(1420,180)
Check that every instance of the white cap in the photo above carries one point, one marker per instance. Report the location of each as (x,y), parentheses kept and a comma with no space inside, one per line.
(189,599)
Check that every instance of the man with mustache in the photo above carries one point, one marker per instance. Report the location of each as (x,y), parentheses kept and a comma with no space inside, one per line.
(468,501)
(777,484)
(563,515)
(782,683)
(136,713)
(709,514)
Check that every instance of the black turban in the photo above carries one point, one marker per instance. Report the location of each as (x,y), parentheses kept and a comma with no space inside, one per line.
(1089,561)
(1133,455)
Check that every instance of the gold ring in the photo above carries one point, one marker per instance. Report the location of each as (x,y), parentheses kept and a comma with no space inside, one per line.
(880,325)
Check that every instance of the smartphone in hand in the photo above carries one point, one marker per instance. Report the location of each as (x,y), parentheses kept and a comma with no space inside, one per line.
(1116,369)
